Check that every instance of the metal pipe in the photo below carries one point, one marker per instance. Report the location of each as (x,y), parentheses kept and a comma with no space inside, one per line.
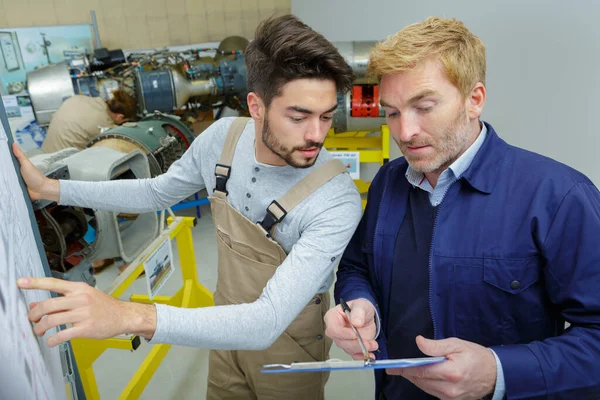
(95,27)
(356,54)
(185,89)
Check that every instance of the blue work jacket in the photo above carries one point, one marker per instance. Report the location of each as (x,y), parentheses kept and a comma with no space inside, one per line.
(515,253)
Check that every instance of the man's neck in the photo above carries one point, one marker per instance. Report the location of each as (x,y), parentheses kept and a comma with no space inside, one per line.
(113,116)
(433,176)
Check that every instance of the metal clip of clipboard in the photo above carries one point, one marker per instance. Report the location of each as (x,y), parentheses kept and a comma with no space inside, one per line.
(68,372)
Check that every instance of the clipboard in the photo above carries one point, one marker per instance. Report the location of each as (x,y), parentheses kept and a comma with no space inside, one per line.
(339,365)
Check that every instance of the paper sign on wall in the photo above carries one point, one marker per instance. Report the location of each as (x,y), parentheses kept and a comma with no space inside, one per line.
(351,159)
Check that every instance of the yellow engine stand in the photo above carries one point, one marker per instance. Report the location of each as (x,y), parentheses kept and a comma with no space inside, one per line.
(191,295)
(372,149)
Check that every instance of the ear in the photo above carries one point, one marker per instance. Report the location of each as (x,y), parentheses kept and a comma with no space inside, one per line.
(256,107)
(476,101)
(121,118)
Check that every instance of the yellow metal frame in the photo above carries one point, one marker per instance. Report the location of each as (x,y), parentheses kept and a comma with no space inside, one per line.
(191,295)
(372,149)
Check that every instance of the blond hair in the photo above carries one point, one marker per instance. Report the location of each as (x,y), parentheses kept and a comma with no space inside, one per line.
(461,53)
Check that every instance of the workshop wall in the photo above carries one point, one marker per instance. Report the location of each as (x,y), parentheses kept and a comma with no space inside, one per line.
(543,63)
(139,24)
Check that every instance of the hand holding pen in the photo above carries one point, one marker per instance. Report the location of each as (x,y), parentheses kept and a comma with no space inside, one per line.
(352,327)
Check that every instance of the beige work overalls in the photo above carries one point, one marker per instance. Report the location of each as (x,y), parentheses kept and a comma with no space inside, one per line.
(248,258)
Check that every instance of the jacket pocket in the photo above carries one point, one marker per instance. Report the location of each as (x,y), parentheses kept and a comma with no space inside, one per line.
(511,276)
(499,302)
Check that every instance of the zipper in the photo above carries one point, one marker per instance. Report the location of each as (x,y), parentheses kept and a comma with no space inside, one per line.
(381,317)
(379,209)
(437,212)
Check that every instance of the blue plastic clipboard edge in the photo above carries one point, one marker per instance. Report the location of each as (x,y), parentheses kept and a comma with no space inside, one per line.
(402,363)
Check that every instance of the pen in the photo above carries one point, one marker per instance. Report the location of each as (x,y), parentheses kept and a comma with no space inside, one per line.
(347,310)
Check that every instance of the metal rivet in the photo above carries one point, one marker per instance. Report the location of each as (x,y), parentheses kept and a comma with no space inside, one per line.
(248,195)
(332,259)
(319,337)
(515,285)
(318,301)
(253,180)
(256,169)
(246,208)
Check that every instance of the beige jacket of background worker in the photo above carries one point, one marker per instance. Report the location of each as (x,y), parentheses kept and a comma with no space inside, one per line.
(76,122)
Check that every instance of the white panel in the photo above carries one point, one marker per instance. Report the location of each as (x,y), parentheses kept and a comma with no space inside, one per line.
(28,368)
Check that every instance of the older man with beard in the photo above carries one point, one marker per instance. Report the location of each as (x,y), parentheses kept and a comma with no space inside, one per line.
(469,248)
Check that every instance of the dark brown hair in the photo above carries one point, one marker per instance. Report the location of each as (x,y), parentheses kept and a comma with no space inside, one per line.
(285,49)
(123,103)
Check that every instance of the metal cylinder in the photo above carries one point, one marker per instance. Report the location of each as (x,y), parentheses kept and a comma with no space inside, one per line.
(344,122)
(48,87)
(185,89)
(155,91)
(95,27)
(356,55)
(166,90)
(162,138)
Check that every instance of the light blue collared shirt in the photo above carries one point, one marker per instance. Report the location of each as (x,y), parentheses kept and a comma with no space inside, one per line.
(436,196)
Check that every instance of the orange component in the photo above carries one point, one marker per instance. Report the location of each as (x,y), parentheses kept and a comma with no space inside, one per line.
(365,101)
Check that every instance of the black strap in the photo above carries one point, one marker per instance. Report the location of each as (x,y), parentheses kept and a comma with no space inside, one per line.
(221,179)
(270,219)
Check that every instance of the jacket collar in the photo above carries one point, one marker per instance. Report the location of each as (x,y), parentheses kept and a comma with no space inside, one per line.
(483,172)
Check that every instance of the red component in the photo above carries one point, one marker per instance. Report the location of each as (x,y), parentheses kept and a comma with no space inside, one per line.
(365,101)
(73,248)
(176,132)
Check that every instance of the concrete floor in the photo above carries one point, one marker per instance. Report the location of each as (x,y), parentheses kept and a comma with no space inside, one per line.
(183,372)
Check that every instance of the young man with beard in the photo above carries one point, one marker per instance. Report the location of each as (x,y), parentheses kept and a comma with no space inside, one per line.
(283,208)
(469,248)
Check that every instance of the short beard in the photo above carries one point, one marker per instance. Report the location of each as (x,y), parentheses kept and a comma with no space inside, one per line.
(284,153)
(450,144)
